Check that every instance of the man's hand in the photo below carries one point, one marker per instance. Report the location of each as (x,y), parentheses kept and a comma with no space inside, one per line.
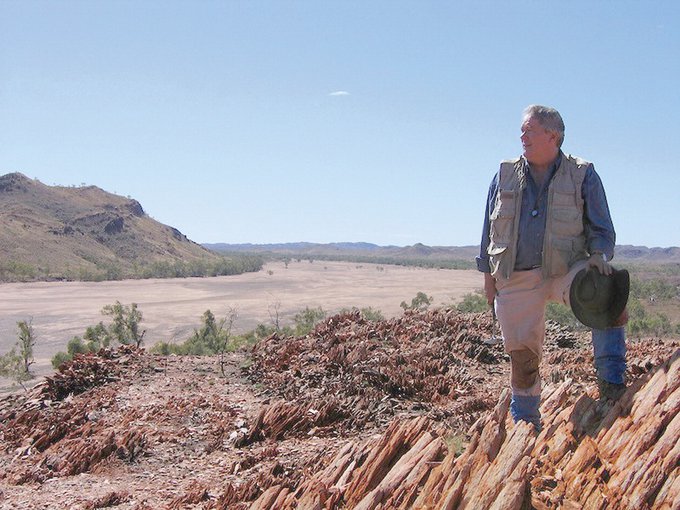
(597,260)
(489,288)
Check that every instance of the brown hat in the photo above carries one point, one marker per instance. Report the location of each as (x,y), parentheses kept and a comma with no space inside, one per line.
(598,300)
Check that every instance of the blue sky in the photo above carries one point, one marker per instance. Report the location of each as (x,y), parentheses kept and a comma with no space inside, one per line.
(322,121)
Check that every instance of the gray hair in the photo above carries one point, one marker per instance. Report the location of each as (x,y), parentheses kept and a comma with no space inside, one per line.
(548,117)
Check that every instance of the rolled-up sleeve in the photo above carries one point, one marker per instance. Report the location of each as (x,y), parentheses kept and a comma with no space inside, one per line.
(483,258)
(599,229)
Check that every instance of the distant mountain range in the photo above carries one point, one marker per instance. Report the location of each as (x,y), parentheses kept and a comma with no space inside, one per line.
(417,250)
(82,233)
(624,253)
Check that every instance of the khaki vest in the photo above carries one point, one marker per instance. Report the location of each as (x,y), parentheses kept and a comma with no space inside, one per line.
(565,240)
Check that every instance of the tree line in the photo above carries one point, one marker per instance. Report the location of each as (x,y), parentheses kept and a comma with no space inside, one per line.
(16,271)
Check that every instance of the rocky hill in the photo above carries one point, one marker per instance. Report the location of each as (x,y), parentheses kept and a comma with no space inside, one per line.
(404,413)
(82,233)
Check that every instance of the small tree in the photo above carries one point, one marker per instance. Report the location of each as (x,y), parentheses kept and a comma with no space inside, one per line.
(97,337)
(421,302)
(124,329)
(206,340)
(212,338)
(11,366)
(15,365)
(224,334)
(26,343)
(273,310)
(125,326)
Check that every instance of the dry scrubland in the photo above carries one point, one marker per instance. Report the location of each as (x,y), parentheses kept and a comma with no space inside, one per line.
(173,307)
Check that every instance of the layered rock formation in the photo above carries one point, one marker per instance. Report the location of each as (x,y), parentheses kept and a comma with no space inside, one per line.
(590,454)
(350,416)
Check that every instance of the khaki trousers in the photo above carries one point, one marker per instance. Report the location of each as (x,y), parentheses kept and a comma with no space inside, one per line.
(520,308)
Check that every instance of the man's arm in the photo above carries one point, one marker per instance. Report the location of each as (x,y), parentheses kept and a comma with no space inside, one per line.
(599,229)
(483,258)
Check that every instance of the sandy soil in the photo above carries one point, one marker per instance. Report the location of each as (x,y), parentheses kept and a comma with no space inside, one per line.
(172,308)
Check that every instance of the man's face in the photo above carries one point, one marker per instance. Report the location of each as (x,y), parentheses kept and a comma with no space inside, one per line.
(540,146)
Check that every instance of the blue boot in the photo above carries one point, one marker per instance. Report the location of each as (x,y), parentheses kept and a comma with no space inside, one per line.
(525,408)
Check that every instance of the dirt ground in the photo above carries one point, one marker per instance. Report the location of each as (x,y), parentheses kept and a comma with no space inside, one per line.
(172,308)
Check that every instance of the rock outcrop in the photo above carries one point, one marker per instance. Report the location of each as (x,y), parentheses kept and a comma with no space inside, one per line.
(321,427)
(590,454)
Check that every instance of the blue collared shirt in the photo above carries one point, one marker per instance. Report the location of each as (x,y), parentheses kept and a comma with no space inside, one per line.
(598,226)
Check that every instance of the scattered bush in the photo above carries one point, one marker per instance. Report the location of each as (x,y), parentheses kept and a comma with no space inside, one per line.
(60,358)
(125,325)
(123,329)
(473,303)
(652,290)
(16,365)
(369,313)
(421,302)
(307,319)
(562,314)
(641,322)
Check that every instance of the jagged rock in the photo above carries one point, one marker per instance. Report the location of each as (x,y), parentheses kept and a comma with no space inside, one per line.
(365,415)
(424,357)
(590,454)
(86,371)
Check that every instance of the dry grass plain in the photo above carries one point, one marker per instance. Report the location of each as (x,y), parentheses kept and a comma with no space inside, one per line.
(172,308)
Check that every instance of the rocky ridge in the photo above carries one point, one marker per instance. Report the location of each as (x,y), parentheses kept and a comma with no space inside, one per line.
(405,413)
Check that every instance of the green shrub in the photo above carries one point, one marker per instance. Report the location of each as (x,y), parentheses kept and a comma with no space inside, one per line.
(76,346)
(473,303)
(306,319)
(562,314)
(421,302)
(16,365)
(60,358)
(125,325)
(658,289)
(641,322)
(369,313)
(372,315)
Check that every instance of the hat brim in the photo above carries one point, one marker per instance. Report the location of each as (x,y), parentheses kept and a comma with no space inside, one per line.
(607,318)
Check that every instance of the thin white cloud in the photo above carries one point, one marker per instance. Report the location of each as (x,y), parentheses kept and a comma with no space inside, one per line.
(339,93)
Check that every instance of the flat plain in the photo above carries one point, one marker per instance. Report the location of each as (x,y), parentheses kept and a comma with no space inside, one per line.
(172,308)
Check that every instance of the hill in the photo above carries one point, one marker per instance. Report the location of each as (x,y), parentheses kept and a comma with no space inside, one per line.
(404,413)
(86,233)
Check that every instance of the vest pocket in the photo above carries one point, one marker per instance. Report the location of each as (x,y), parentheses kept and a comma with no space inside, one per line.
(496,255)
(565,253)
(560,257)
(502,217)
(567,222)
(564,197)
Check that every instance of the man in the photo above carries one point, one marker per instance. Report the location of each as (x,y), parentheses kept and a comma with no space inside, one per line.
(546,218)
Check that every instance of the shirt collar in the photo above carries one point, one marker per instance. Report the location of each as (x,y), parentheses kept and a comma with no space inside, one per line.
(551,171)
(555,164)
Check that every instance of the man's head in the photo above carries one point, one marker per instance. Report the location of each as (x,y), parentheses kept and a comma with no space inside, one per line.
(542,134)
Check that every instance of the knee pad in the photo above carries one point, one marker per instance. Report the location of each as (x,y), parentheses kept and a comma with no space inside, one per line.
(524,373)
